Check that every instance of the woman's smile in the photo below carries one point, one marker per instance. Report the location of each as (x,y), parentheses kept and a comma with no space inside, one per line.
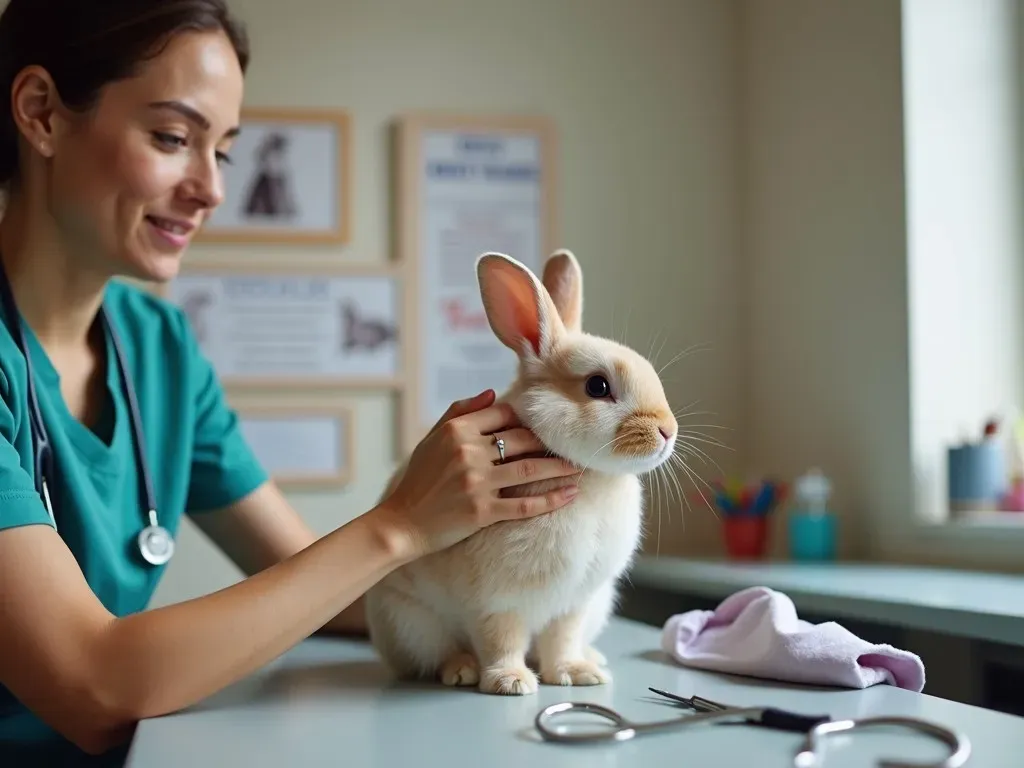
(174,234)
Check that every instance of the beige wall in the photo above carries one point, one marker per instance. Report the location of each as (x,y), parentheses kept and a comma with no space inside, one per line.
(732,173)
(643,95)
(824,253)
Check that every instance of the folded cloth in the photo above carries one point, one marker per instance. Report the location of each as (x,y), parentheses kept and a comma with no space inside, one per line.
(756,632)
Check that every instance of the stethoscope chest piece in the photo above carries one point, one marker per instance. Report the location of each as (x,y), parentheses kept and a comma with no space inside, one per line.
(155,542)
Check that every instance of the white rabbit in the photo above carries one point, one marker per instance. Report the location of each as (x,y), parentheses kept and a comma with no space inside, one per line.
(539,589)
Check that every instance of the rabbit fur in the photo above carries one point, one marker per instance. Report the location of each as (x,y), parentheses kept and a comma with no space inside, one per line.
(538,591)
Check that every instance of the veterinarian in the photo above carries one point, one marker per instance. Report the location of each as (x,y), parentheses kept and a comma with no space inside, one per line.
(116,119)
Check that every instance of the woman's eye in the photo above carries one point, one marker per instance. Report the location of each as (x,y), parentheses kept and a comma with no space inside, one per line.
(597,386)
(169,139)
(173,142)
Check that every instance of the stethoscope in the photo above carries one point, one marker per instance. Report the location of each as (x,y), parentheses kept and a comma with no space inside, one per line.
(155,542)
(815,728)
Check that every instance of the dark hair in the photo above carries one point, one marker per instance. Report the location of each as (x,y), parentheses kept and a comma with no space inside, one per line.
(85,45)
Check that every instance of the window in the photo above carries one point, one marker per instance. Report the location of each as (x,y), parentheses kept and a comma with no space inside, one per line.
(965,231)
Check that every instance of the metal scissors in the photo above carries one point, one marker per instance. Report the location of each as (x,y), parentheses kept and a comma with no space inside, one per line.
(814,727)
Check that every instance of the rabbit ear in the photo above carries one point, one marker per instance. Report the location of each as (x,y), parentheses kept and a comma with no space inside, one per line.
(563,279)
(518,307)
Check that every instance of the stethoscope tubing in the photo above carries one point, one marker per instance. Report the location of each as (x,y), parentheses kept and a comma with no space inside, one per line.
(807,756)
(43,448)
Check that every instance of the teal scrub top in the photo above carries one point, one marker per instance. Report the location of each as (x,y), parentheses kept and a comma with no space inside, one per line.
(195,449)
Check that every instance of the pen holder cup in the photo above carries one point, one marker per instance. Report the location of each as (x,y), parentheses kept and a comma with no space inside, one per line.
(746,536)
(976,476)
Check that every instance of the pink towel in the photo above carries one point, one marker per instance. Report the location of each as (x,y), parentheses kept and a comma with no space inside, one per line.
(756,632)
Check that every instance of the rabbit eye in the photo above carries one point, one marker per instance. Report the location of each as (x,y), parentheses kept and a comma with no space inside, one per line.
(597,386)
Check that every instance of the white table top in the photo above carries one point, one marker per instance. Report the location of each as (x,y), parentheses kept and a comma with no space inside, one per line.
(329,702)
(982,606)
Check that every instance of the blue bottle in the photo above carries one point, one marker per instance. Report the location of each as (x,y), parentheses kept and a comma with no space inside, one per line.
(812,526)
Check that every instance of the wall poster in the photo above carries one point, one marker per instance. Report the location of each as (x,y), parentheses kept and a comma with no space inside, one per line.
(301,447)
(467,185)
(296,327)
(289,180)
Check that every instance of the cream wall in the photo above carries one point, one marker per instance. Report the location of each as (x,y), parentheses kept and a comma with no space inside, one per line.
(824,253)
(644,99)
(731,173)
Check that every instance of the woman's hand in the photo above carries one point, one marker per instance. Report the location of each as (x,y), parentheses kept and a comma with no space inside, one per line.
(452,484)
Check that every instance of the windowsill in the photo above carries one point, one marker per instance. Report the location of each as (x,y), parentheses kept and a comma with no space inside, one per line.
(975,605)
(987,542)
(1000,520)
(977,525)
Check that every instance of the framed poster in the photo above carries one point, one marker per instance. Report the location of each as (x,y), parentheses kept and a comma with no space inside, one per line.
(289,180)
(467,185)
(301,446)
(295,327)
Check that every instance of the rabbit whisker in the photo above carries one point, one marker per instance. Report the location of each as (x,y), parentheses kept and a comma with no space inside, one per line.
(679,461)
(653,481)
(689,350)
(690,405)
(688,451)
(650,352)
(692,429)
(660,508)
(685,431)
(656,482)
(675,358)
(700,437)
(587,465)
(685,411)
(699,452)
(686,501)
(657,354)
(675,481)
(692,349)
(693,476)
(694,413)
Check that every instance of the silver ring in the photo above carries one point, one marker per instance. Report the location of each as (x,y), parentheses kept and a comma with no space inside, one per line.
(501,449)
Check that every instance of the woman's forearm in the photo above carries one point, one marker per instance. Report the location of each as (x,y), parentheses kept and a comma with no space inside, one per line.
(168,658)
(262,529)
(351,622)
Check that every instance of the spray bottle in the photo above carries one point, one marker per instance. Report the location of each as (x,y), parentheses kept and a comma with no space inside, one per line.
(812,526)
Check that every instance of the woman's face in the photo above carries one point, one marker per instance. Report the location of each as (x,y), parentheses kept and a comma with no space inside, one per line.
(131,181)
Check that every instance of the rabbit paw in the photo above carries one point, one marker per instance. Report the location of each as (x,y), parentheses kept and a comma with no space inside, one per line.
(508,681)
(575,673)
(461,669)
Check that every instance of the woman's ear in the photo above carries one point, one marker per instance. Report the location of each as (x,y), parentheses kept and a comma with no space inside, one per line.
(35,107)
(518,307)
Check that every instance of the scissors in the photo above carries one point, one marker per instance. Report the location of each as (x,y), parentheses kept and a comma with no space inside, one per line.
(814,727)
